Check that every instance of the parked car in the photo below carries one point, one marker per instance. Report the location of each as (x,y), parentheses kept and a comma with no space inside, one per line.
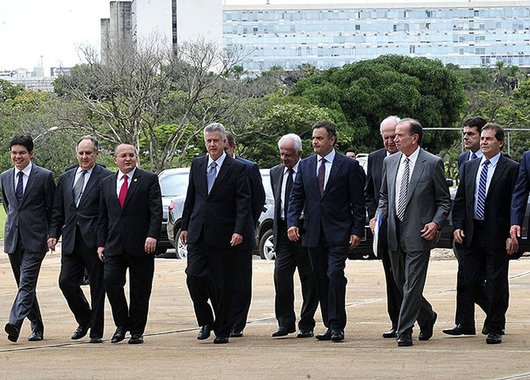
(173,183)
(265,247)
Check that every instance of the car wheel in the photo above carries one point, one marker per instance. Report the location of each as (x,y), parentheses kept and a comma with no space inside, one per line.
(181,249)
(266,246)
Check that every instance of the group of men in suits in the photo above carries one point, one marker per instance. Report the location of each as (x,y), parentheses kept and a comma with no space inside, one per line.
(413,204)
(108,223)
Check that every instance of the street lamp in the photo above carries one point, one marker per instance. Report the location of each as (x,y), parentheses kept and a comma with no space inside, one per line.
(52,129)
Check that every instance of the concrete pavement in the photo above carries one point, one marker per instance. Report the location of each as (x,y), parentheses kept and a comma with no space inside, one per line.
(171,350)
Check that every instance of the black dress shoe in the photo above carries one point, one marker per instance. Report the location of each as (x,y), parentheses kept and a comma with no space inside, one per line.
(12,332)
(390,334)
(460,330)
(220,340)
(80,332)
(486,331)
(95,340)
(426,331)
(36,335)
(136,339)
(494,338)
(283,331)
(325,336)
(119,335)
(204,332)
(303,333)
(337,335)
(236,334)
(405,339)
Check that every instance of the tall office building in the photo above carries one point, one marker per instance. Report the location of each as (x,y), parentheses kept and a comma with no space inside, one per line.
(116,30)
(474,33)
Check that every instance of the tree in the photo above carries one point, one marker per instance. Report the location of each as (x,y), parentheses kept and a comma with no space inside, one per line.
(368,91)
(151,96)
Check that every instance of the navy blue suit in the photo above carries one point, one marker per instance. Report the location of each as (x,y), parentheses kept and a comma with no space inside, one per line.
(329,222)
(520,192)
(243,281)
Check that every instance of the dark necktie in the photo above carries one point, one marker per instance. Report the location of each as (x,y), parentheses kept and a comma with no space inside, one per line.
(211,175)
(123,191)
(19,190)
(474,156)
(288,188)
(481,198)
(78,187)
(403,191)
(321,175)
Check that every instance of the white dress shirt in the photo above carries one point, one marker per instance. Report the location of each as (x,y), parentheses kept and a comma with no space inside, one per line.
(412,162)
(329,163)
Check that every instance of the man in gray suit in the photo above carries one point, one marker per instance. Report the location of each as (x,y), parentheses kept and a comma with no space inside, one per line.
(27,193)
(415,202)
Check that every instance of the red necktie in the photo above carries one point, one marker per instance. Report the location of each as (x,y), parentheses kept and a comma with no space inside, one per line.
(123,191)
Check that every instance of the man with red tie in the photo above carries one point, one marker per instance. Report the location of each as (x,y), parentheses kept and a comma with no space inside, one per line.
(130,216)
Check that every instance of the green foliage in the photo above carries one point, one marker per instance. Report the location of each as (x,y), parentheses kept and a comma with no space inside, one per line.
(368,91)
(9,90)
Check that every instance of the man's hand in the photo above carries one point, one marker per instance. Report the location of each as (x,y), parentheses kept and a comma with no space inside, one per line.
(372,225)
(184,237)
(429,231)
(52,242)
(515,232)
(293,233)
(512,245)
(354,241)
(150,245)
(101,253)
(458,236)
(236,239)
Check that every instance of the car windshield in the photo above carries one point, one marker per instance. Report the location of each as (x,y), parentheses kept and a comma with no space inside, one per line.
(174,185)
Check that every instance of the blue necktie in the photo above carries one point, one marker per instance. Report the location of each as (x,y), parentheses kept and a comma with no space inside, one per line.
(481,199)
(211,175)
(321,175)
(474,156)
(19,190)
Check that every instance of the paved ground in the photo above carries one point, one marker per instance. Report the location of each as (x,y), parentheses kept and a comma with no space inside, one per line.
(171,350)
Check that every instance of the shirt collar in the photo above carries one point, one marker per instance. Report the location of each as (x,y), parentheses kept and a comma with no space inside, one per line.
(329,157)
(295,168)
(26,170)
(88,171)
(219,161)
(413,157)
(129,175)
(493,160)
(478,153)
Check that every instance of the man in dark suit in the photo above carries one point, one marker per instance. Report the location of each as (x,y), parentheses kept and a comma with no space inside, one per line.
(328,189)
(130,216)
(374,177)
(242,292)
(520,197)
(290,255)
(215,220)
(27,194)
(481,221)
(75,217)
(465,304)
(415,202)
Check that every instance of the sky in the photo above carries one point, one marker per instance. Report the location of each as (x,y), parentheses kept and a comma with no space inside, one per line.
(53,30)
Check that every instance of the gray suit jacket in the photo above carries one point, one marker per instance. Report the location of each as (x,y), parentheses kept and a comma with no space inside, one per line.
(30,219)
(428,200)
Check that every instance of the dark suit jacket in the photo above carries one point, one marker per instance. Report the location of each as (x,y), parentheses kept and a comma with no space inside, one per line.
(66,216)
(428,200)
(374,175)
(29,220)
(339,212)
(520,192)
(498,202)
(125,230)
(223,212)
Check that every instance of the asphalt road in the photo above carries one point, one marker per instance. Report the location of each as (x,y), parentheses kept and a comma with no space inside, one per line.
(171,350)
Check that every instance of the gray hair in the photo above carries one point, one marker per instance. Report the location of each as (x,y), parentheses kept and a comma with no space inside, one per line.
(215,127)
(294,138)
(395,119)
(91,139)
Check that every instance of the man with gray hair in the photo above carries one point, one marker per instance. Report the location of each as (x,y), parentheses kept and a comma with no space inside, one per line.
(374,176)
(289,254)
(214,221)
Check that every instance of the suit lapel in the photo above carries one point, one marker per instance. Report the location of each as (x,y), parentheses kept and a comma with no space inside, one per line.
(31,181)
(312,163)
(278,181)
(499,171)
(471,177)
(222,172)
(335,167)
(392,171)
(91,180)
(417,173)
(133,185)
